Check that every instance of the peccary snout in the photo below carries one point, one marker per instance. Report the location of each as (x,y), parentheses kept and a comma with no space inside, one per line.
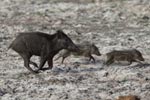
(95,50)
(140,58)
(138,55)
(72,47)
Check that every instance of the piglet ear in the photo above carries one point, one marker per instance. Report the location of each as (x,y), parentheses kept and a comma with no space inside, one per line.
(59,33)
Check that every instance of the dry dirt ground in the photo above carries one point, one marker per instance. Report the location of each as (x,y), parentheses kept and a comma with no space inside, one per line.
(110,24)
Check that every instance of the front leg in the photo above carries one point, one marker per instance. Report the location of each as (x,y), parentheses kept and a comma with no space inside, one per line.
(50,63)
(42,63)
(34,64)
(91,57)
(109,61)
(129,62)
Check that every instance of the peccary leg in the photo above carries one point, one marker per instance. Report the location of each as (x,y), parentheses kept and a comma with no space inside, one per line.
(109,61)
(42,63)
(91,57)
(138,61)
(130,62)
(50,63)
(26,59)
(63,58)
(57,58)
(34,64)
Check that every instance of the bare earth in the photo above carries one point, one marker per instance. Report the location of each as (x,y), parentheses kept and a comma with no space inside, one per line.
(111,24)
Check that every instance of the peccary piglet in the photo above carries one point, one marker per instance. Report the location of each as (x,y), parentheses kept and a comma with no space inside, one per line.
(85,49)
(40,44)
(131,55)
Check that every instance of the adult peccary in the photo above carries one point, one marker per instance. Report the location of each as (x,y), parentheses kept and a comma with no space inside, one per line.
(131,55)
(40,44)
(85,49)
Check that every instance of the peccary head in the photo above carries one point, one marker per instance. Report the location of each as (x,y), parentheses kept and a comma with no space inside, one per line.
(64,42)
(137,55)
(95,50)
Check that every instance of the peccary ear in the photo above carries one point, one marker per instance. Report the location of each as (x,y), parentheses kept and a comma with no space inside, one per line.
(59,33)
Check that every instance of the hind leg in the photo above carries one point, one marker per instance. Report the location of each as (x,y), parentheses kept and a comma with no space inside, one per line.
(42,63)
(34,64)
(50,65)
(26,58)
(129,62)
(109,61)
(63,58)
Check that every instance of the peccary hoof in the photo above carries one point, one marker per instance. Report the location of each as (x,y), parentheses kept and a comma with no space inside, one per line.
(48,68)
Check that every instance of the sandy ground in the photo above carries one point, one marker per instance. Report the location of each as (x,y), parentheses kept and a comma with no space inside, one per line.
(120,24)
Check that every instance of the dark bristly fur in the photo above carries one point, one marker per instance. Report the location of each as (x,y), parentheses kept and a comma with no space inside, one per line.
(132,55)
(85,49)
(40,44)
